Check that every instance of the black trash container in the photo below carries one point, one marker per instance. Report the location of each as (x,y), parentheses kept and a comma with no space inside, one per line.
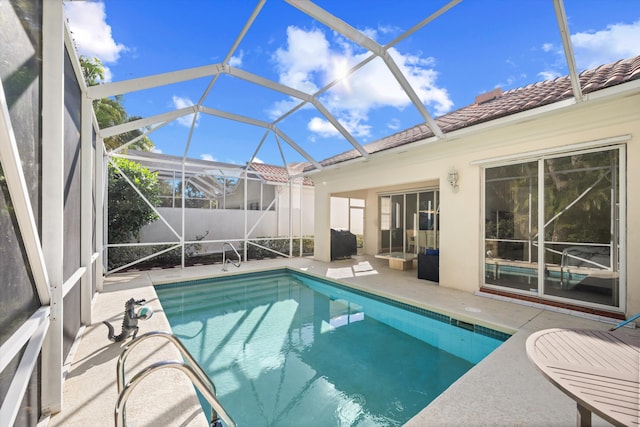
(429,265)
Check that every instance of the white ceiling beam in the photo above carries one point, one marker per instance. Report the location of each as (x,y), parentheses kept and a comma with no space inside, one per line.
(565,35)
(248,120)
(341,128)
(270,84)
(235,117)
(141,83)
(336,24)
(143,123)
(422,23)
(75,61)
(245,29)
(146,133)
(413,96)
(235,45)
(297,148)
(255,153)
(358,37)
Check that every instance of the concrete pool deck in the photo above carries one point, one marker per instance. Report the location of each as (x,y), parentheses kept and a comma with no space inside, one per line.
(504,389)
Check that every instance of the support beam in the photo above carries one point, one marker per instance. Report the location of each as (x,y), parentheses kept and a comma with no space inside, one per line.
(336,24)
(87,165)
(358,37)
(133,85)
(235,45)
(149,121)
(266,125)
(12,168)
(422,23)
(561,17)
(269,84)
(101,221)
(341,129)
(53,54)
(305,97)
(14,395)
(298,148)
(235,117)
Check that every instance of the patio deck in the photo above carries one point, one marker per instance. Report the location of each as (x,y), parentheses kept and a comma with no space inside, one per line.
(503,389)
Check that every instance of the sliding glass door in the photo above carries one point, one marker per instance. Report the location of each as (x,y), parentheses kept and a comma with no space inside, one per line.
(575,199)
(511,226)
(409,222)
(581,195)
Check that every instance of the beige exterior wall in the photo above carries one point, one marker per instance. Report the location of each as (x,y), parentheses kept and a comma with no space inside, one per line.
(426,164)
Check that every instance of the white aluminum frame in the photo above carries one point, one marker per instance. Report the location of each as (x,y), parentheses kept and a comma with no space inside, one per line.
(42,332)
(53,196)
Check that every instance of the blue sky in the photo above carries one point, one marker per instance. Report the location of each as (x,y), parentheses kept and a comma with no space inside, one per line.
(473,48)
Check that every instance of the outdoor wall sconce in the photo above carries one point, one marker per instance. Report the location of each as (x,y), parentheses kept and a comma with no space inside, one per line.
(452,178)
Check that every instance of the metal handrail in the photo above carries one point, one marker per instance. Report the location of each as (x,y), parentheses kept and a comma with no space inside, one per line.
(224,256)
(120,366)
(564,259)
(196,379)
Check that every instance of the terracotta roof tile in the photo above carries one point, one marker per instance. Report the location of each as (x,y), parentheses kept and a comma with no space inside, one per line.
(272,173)
(494,105)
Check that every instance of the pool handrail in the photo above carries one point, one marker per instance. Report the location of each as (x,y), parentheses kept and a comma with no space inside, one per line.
(224,256)
(196,379)
(120,366)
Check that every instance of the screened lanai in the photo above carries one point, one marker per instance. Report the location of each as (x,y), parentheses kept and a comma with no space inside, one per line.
(279,106)
(255,114)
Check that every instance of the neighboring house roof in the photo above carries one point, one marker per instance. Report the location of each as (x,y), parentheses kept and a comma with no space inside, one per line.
(279,174)
(162,163)
(496,104)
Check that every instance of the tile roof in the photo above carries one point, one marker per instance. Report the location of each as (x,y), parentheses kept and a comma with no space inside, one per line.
(273,173)
(496,104)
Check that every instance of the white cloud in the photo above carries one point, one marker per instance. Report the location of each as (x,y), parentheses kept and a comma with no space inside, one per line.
(322,127)
(279,108)
(394,124)
(549,74)
(353,122)
(90,31)
(307,53)
(310,61)
(548,47)
(257,160)
(617,41)
(236,60)
(155,149)
(180,102)
(208,157)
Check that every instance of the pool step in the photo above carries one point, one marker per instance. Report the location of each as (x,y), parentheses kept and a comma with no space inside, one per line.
(212,298)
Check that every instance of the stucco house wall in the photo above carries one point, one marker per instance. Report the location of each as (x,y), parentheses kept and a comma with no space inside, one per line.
(426,163)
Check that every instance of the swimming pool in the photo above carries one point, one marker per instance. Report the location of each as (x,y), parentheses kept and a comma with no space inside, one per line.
(288,349)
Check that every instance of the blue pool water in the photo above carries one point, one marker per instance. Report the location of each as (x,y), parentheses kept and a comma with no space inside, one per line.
(288,349)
